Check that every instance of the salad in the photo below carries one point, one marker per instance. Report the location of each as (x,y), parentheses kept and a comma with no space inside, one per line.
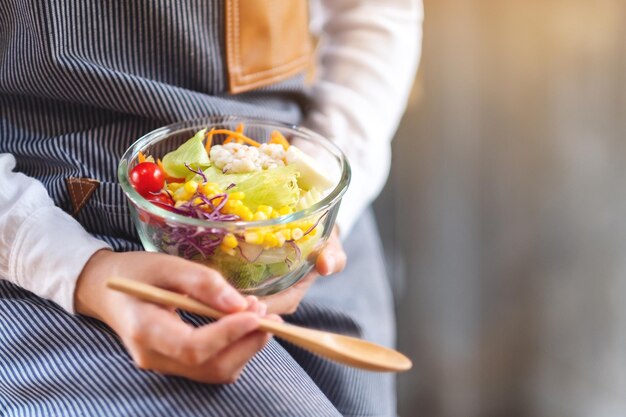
(222,175)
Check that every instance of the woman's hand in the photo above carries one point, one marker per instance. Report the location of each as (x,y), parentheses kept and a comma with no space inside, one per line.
(331,259)
(155,336)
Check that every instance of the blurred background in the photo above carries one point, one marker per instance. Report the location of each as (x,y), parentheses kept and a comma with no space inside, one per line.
(504,218)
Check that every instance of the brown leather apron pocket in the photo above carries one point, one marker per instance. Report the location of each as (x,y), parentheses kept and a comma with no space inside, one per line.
(266,41)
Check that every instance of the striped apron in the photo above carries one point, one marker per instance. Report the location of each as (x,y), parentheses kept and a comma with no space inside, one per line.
(79,82)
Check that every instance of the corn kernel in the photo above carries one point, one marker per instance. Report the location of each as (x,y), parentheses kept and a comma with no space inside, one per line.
(294,225)
(231,205)
(210,189)
(217,201)
(270,240)
(305,225)
(237,195)
(281,239)
(286,233)
(226,249)
(285,210)
(230,241)
(191,186)
(265,209)
(173,186)
(238,209)
(274,214)
(296,233)
(181,194)
(259,215)
(245,214)
(255,238)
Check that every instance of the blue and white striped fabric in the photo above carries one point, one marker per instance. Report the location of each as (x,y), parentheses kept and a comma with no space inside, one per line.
(56,364)
(80,81)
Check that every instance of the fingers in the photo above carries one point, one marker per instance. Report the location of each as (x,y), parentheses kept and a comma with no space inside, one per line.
(287,301)
(275,317)
(162,332)
(199,282)
(255,306)
(229,363)
(222,367)
(332,259)
(158,339)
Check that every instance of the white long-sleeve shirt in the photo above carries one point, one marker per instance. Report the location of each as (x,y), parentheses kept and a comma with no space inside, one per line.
(368,58)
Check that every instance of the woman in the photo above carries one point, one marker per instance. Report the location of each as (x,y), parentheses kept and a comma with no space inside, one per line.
(79,81)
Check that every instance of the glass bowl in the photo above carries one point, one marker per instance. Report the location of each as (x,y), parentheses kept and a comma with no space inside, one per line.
(253,266)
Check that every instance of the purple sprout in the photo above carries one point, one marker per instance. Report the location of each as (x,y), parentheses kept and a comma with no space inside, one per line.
(190,241)
(316,223)
(199,172)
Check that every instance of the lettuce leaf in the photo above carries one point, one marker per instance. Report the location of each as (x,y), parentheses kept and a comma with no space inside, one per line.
(214,174)
(308,198)
(191,152)
(277,187)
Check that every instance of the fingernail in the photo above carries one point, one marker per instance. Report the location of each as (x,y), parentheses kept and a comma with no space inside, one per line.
(251,300)
(231,298)
(330,265)
(262,309)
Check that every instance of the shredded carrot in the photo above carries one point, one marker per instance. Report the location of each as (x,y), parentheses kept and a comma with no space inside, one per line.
(209,140)
(230,138)
(236,135)
(167,177)
(239,130)
(278,138)
(141,157)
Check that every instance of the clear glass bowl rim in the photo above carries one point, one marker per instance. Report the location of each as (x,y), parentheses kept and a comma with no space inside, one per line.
(326,203)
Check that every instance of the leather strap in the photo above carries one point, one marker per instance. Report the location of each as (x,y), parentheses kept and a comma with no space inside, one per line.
(267,41)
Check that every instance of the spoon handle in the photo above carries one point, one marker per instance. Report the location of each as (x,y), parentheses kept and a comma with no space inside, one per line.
(158,295)
(347,350)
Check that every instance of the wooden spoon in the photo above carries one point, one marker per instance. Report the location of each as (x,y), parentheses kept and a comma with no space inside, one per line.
(347,350)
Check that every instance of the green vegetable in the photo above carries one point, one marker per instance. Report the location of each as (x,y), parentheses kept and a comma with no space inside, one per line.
(191,153)
(214,174)
(249,275)
(241,274)
(278,268)
(308,198)
(277,187)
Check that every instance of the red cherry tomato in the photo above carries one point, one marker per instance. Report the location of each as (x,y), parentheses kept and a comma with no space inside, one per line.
(147,178)
(162,200)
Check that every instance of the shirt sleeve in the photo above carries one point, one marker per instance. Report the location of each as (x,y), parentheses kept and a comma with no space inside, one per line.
(368,54)
(42,248)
